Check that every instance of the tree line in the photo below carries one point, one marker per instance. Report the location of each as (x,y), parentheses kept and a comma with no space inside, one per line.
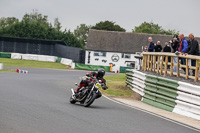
(36,26)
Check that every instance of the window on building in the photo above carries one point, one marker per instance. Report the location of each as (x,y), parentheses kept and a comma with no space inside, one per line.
(100,54)
(126,56)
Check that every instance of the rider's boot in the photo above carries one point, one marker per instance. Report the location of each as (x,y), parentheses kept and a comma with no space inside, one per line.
(77,90)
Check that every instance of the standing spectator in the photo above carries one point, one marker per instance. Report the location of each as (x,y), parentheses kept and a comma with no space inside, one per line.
(174,43)
(199,49)
(151,44)
(167,48)
(158,47)
(194,50)
(182,48)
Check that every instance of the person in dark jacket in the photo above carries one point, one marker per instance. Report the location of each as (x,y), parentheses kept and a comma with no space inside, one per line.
(174,43)
(194,50)
(167,48)
(182,48)
(158,47)
(151,45)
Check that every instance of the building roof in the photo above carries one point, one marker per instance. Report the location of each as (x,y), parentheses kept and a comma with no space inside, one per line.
(123,42)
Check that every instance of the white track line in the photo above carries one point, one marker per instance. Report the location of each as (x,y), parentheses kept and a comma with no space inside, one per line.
(184,125)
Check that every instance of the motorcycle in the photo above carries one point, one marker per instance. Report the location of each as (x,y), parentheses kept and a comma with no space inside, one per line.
(88,94)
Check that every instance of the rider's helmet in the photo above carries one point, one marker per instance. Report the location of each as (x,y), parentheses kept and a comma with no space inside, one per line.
(101,73)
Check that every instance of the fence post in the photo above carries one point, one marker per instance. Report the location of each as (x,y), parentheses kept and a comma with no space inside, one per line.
(158,64)
(166,65)
(178,65)
(148,61)
(186,69)
(172,66)
(197,71)
(161,67)
(143,62)
(154,63)
(151,63)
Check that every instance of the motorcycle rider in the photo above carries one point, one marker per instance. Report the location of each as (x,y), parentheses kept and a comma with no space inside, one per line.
(98,75)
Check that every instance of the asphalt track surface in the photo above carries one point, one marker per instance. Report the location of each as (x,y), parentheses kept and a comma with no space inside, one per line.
(38,102)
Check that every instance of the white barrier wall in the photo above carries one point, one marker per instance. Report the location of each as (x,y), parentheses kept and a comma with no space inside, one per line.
(33,57)
(184,97)
(1,66)
(67,62)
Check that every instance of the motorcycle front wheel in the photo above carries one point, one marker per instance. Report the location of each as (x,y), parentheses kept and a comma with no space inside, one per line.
(89,100)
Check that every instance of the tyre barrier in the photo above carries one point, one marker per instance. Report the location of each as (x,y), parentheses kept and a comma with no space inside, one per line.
(46,58)
(171,95)
(1,66)
(22,71)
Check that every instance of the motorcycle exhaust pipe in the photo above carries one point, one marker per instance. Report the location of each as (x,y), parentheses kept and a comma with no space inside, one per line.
(73,92)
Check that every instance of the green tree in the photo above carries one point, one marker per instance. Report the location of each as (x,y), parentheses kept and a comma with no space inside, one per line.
(57,24)
(36,26)
(152,28)
(109,26)
(7,21)
(81,32)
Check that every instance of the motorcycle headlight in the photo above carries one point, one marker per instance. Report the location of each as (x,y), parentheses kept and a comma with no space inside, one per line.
(97,86)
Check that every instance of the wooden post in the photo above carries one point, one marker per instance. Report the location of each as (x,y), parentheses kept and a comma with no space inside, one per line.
(178,65)
(148,61)
(151,63)
(171,66)
(196,71)
(158,64)
(143,62)
(166,65)
(186,76)
(154,63)
(161,65)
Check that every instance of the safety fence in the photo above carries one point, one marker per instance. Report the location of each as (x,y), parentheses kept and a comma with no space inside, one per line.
(171,95)
(170,63)
(41,47)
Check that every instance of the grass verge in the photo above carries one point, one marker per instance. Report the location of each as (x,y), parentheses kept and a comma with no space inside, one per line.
(29,63)
(8,70)
(117,86)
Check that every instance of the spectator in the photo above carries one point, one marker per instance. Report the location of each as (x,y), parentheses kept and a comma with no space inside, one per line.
(145,49)
(194,50)
(174,43)
(199,49)
(182,48)
(151,44)
(167,48)
(158,47)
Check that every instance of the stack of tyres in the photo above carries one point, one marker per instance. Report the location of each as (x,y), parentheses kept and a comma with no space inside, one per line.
(22,71)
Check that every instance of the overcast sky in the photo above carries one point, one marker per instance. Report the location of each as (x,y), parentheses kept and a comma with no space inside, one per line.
(182,15)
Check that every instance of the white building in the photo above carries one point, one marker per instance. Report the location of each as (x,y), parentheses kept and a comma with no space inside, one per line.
(106,58)
(106,47)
